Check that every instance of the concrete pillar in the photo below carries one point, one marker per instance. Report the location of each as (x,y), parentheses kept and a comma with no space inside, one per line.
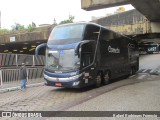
(155,27)
(16,60)
(33,60)
(1,82)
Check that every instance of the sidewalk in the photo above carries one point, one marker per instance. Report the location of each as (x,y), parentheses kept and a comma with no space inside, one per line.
(16,84)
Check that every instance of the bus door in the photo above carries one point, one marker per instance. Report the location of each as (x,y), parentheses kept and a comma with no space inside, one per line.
(87,58)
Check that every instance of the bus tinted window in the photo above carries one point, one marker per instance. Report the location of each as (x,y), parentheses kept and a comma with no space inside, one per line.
(66,32)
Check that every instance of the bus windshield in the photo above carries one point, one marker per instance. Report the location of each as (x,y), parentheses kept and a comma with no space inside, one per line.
(66,34)
(62,60)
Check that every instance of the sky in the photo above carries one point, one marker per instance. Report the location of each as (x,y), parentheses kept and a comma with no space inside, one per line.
(45,11)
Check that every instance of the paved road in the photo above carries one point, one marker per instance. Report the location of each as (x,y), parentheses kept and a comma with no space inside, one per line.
(150,64)
(139,92)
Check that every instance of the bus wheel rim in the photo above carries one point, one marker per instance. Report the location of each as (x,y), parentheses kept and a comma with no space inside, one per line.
(98,82)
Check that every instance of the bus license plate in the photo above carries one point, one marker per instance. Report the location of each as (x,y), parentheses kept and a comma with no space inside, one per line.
(58,84)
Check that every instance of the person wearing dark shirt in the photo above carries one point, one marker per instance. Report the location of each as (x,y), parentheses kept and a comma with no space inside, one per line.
(23,76)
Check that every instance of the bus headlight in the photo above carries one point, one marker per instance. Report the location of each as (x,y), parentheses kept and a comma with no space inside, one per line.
(75,77)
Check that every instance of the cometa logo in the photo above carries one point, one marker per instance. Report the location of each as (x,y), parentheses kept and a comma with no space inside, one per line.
(113,50)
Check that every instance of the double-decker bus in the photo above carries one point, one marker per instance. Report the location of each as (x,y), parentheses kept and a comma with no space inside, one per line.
(83,54)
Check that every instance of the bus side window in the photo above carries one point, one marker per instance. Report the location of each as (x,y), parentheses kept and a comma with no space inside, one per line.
(91,32)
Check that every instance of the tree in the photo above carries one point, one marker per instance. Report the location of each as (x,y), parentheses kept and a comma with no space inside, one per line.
(18,26)
(69,20)
(30,27)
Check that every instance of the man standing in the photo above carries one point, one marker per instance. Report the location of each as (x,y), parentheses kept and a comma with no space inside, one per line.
(23,76)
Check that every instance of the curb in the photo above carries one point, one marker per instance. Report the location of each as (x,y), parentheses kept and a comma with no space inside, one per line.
(18,87)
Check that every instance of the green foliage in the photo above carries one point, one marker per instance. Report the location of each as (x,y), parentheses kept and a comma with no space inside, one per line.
(69,20)
(30,27)
(19,28)
(4,31)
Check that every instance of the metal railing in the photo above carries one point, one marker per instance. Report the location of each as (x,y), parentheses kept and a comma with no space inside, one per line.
(11,77)
(9,69)
(8,60)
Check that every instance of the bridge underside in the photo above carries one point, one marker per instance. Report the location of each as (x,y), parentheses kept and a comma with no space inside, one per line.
(99,4)
(149,8)
(27,47)
(148,38)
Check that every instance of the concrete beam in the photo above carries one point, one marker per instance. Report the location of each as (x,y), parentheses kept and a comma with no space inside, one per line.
(149,8)
(98,4)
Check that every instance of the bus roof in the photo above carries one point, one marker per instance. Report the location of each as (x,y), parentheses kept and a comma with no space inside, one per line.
(85,23)
(90,23)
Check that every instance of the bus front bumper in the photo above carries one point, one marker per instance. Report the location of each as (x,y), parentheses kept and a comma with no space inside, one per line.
(69,82)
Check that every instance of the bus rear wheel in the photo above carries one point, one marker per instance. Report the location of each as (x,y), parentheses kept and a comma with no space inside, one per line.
(98,80)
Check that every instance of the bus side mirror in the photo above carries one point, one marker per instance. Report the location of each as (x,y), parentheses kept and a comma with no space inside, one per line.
(39,47)
(77,51)
(78,48)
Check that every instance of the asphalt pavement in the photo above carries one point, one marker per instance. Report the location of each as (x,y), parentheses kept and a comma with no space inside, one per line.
(140,92)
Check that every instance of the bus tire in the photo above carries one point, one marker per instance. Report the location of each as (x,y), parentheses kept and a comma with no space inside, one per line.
(106,78)
(98,80)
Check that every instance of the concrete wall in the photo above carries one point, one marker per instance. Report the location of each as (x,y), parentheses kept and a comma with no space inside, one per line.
(31,36)
(27,36)
(130,22)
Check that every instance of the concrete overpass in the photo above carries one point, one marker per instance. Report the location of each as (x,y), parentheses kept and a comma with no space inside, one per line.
(131,23)
(149,8)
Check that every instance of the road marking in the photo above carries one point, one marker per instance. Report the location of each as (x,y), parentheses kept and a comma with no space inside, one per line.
(144,70)
(152,70)
(132,76)
(148,71)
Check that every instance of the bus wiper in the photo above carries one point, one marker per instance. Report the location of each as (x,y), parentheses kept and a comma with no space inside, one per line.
(53,65)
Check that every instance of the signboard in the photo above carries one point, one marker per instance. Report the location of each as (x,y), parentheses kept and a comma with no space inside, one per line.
(12,39)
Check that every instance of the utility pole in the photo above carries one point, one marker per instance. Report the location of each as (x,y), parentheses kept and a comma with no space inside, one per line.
(0,19)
